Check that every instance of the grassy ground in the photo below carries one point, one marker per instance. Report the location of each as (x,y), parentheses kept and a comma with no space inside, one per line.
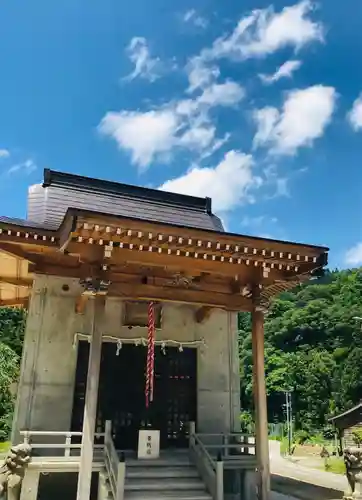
(310,457)
(4,446)
(336,465)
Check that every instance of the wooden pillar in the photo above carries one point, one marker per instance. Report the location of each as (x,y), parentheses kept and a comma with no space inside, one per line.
(261,415)
(91,397)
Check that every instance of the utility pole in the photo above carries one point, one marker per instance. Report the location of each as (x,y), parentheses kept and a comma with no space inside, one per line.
(290,422)
(288,406)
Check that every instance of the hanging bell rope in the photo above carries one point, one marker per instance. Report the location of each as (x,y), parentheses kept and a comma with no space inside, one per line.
(150,369)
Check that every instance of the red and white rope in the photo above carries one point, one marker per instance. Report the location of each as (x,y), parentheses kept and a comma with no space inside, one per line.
(150,369)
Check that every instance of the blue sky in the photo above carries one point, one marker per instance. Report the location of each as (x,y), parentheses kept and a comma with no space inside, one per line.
(253,103)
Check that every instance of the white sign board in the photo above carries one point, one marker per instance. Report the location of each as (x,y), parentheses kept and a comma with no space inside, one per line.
(148,444)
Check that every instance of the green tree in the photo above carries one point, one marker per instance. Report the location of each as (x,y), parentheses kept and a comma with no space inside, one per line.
(313,345)
(12,323)
(9,367)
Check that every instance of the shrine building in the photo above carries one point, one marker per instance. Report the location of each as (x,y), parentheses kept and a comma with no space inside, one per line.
(86,263)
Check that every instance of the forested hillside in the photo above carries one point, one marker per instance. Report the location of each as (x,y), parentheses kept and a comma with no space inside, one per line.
(11,341)
(313,342)
(313,346)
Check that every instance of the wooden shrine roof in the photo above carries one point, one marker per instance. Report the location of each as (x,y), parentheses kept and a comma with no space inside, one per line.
(146,259)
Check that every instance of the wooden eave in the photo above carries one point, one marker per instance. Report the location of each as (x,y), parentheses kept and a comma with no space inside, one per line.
(147,260)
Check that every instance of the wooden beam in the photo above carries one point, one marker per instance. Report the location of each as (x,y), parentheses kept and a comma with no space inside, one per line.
(202,314)
(236,285)
(16,251)
(27,282)
(180,295)
(261,414)
(186,264)
(66,268)
(155,276)
(15,302)
(91,397)
(252,274)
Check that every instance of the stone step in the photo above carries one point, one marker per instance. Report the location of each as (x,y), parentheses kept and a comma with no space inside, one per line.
(167,495)
(160,485)
(160,462)
(161,472)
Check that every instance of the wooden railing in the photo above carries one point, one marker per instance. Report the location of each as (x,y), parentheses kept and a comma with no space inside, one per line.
(67,446)
(233,448)
(211,470)
(105,452)
(116,468)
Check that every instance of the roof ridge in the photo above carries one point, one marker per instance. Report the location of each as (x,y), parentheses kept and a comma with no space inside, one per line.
(52,177)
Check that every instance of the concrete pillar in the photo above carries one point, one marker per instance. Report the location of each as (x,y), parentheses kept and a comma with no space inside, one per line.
(261,415)
(48,360)
(218,385)
(91,397)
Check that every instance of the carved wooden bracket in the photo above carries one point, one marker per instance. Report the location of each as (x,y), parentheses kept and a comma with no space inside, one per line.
(80,303)
(202,314)
(95,286)
(92,287)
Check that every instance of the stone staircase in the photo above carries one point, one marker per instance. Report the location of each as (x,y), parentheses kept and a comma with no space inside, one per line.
(164,479)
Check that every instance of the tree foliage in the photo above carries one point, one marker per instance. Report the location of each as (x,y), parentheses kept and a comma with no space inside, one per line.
(11,339)
(313,346)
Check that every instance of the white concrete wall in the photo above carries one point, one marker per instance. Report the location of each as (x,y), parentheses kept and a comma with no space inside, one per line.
(45,394)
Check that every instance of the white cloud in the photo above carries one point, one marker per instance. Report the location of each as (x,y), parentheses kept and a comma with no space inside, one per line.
(143,134)
(266,119)
(355,115)
(191,16)
(304,116)
(145,66)
(217,144)
(228,184)
(186,124)
(197,137)
(354,255)
(264,32)
(222,94)
(258,34)
(286,70)
(200,74)
(26,167)
(4,153)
